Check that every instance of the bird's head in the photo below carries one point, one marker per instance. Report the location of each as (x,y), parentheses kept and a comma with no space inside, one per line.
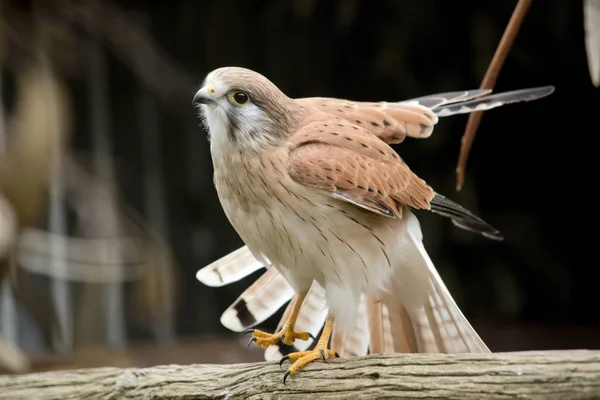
(243,109)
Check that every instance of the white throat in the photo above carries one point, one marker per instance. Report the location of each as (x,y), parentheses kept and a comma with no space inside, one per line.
(218,130)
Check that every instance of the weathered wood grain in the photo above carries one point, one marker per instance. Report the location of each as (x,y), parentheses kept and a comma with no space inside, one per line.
(532,375)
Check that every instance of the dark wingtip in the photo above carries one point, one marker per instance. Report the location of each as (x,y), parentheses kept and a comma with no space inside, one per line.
(463,218)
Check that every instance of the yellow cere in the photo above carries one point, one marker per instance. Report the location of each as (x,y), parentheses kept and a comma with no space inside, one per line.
(210,88)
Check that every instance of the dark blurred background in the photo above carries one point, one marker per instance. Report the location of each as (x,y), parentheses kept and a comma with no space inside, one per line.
(108,172)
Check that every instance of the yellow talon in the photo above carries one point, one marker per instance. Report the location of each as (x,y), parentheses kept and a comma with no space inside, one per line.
(301,358)
(287,334)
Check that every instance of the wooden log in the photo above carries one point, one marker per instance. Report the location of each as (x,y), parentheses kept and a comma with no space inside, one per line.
(532,375)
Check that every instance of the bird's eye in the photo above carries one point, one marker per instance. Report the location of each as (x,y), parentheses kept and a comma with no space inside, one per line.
(240,98)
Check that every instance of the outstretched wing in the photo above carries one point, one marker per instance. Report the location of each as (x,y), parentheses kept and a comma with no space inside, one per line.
(393,122)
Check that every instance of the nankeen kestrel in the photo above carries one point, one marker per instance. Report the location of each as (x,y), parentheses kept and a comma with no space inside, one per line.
(314,189)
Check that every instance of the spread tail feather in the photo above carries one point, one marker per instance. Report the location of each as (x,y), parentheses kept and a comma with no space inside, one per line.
(356,342)
(230,268)
(380,327)
(438,325)
(257,303)
(404,338)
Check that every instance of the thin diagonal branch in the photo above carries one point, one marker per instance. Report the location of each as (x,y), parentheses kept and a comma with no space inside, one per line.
(489,81)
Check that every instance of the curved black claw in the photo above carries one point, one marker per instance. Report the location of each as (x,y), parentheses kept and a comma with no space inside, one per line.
(247,331)
(252,340)
(283,359)
(310,335)
(323,355)
(287,373)
(337,355)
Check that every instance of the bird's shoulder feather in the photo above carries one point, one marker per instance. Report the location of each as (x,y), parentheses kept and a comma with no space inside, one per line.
(350,162)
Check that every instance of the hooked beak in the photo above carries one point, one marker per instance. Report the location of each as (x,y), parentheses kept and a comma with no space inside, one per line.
(202,97)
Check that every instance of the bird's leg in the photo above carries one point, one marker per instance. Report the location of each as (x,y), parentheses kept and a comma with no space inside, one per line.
(287,334)
(321,351)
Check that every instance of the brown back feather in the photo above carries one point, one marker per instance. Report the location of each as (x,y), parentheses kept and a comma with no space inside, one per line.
(349,161)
